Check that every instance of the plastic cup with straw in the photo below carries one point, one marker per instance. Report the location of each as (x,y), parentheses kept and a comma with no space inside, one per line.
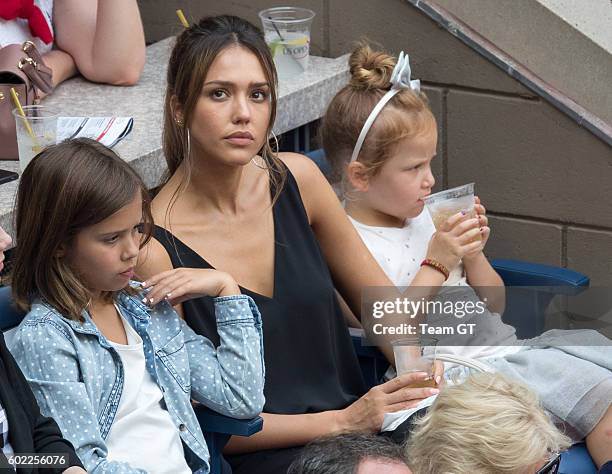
(287,33)
(26,122)
(36,127)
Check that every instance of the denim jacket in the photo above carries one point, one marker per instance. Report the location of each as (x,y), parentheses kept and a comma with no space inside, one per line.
(77,376)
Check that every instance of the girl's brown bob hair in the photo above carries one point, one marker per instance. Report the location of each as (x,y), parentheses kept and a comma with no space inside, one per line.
(66,188)
(195,50)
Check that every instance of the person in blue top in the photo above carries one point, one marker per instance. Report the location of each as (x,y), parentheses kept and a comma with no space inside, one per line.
(115,369)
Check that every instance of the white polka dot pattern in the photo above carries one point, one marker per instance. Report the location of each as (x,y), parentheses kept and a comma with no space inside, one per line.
(77,376)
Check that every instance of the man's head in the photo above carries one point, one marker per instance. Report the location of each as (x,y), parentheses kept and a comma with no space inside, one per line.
(351,453)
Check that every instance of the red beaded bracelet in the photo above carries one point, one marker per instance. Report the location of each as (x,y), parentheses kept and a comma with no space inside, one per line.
(436,265)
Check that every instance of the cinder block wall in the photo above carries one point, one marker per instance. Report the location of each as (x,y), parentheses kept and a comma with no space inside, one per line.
(546,181)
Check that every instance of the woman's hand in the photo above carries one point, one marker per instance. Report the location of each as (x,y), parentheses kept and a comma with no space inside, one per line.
(457,238)
(5,243)
(438,373)
(367,413)
(181,284)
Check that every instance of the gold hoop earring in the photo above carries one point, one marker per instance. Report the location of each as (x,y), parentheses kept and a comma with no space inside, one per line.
(188,143)
(179,122)
(259,166)
(275,142)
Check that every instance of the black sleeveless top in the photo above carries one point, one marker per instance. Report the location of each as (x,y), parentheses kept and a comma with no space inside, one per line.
(310,362)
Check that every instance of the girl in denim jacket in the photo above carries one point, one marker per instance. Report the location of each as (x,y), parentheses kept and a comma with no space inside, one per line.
(110,361)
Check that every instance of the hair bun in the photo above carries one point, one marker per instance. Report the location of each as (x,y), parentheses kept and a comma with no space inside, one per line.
(370,69)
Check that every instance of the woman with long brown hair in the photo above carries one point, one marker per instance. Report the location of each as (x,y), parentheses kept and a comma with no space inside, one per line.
(117,376)
(273,222)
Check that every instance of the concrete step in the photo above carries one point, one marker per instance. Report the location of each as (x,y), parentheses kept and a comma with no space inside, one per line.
(566,43)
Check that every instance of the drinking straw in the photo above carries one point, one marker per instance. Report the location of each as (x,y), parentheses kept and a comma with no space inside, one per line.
(23,115)
(182,18)
(276,28)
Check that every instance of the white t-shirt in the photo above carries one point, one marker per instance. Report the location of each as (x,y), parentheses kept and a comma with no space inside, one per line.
(18,31)
(400,252)
(143,433)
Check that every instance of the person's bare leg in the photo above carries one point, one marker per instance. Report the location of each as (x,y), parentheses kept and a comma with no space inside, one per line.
(105,38)
(599,441)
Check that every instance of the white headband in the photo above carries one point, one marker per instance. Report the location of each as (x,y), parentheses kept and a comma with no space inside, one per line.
(400,79)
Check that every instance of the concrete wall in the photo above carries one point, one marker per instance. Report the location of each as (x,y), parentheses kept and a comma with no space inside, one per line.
(579,64)
(546,181)
(160,21)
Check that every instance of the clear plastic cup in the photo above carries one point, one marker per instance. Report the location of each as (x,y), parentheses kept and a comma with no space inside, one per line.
(42,122)
(287,33)
(447,203)
(416,355)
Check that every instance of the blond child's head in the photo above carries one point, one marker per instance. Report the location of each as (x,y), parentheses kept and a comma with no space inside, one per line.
(489,424)
(392,170)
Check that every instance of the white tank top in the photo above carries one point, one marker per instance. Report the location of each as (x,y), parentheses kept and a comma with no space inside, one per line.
(143,433)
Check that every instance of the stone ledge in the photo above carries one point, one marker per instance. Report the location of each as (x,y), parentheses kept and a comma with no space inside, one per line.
(300,101)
